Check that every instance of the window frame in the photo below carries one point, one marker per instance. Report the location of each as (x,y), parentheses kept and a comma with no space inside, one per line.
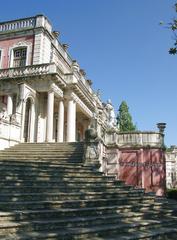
(20,45)
(19,58)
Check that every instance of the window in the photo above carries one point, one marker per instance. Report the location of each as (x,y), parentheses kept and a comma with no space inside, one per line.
(19,59)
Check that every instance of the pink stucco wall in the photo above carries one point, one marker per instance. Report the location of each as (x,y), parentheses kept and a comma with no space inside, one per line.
(139,167)
(6,44)
(143,168)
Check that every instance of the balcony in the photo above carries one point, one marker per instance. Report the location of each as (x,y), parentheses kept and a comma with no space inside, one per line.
(32,70)
(18,24)
(43,69)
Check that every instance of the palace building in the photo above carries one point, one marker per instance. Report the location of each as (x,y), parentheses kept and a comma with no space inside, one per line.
(44,94)
(46,97)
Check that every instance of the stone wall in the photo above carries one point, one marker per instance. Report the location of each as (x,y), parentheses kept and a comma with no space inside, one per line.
(136,161)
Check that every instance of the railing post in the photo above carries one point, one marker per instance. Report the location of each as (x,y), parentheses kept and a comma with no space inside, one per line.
(91,148)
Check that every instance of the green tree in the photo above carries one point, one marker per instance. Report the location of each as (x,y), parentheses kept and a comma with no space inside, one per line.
(124,119)
(173,27)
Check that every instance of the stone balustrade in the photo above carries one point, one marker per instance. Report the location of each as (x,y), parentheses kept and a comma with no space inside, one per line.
(18,24)
(135,139)
(31,70)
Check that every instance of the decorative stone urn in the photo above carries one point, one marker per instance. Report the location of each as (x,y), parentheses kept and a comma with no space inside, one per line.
(161,127)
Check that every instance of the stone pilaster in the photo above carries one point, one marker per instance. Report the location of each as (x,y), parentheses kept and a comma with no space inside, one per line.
(60,121)
(71,121)
(50,112)
(9,105)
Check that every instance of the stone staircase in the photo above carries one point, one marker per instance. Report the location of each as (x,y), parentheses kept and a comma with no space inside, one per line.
(47,192)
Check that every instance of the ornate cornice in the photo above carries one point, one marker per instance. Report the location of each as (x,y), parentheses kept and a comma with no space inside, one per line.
(56,90)
(73,96)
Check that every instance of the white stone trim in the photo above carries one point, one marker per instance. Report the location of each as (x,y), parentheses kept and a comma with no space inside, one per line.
(26,44)
(26,92)
(58,92)
(71,121)
(60,136)
(86,110)
(50,113)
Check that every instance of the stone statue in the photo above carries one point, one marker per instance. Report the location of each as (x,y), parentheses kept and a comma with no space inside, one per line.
(3,113)
(111,114)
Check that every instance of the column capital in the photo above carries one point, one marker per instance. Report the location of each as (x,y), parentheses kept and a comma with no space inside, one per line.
(54,88)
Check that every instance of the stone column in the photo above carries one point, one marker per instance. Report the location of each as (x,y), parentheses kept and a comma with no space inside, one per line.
(9,105)
(71,121)
(32,123)
(60,121)
(50,111)
(23,110)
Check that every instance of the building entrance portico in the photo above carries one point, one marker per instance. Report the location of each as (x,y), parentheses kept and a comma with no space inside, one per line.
(66,122)
(44,94)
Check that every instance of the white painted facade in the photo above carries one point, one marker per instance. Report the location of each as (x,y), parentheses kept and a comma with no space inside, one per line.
(47,97)
(171,167)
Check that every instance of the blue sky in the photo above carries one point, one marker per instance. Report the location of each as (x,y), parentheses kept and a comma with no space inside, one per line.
(123,49)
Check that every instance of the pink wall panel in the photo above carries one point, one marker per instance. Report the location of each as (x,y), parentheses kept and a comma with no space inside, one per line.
(6,44)
(143,168)
(128,170)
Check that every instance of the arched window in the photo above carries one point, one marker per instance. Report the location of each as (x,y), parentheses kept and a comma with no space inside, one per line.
(19,57)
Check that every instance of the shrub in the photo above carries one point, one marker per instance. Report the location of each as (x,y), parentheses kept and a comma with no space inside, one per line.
(172,193)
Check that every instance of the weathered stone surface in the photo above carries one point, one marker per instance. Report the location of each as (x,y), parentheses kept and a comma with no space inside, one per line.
(47,192)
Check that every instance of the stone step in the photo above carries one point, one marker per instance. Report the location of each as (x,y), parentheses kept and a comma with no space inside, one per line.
(55,173)
(58,177)
(45,147)
(46,192)
(64,144)
(42,154)
(67,196)
(43,158)
(59,173)
(65,219)
(21,188)
(126,210)
(49,164)
(45,164)
(48,180)
(148,229)
(156,234)
(4,170)
(34,205)
(90,221)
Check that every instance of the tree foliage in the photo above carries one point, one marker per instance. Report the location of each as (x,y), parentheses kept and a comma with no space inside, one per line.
(124,119)
(173,27)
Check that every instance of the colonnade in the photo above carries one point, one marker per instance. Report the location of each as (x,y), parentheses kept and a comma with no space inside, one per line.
(64,116)
(71,119)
